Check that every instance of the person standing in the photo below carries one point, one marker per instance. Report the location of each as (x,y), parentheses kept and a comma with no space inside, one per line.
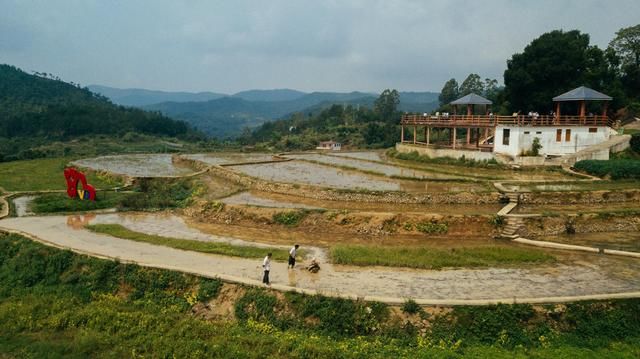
(292,256)
(266,266)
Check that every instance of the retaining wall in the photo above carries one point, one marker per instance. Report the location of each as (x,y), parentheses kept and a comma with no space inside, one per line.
(444,152)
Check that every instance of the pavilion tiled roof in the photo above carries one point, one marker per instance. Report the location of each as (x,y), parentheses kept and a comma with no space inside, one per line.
(471,99)
(582,94)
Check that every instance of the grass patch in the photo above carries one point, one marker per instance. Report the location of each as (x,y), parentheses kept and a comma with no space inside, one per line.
(226,249)
(161,193)
(60,202)
(430,258)
(44,174)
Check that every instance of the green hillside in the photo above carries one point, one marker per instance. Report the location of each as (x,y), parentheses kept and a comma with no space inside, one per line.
(39,109)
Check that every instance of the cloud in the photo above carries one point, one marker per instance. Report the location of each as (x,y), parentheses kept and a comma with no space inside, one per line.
(309,45)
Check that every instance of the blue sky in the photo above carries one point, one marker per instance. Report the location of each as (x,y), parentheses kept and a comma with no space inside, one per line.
(229,46)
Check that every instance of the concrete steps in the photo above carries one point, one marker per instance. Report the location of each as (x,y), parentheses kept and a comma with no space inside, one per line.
(510,230)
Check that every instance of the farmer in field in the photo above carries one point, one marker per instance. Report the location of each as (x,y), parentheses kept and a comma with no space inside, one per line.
(266,266)
(292,256)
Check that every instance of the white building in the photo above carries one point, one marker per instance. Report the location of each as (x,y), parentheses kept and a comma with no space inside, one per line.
(329,145)
(487,135)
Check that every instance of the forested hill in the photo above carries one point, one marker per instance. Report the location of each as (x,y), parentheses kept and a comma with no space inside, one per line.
(43,106)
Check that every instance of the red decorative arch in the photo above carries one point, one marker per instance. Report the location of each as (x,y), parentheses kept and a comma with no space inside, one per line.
(73,176)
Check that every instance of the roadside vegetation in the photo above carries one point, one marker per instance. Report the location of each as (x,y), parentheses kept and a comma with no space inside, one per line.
(45,174)
(434,258)
(61,203)
(226,249)
(54,303)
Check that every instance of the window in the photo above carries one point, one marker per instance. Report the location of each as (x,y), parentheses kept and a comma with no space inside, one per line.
(505,136)
(558,135)
(538,132)
(526,132)
(567,135)
(593,129)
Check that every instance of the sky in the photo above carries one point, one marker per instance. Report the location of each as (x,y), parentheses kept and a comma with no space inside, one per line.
(309,45)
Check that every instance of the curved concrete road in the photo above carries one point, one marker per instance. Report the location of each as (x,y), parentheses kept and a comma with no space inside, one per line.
(598,277)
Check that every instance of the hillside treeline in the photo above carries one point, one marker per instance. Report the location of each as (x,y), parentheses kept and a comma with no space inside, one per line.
(43,107)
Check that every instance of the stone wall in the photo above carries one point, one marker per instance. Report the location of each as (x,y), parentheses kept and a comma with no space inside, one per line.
(580,197)
(536,227)
(444,152)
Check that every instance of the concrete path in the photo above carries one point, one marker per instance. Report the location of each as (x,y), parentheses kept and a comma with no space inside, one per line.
(597,277)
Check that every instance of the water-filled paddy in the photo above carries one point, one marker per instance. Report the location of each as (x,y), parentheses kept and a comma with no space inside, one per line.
(223,158)
(359,164)
(368,155)
(300,172)
(135,165)
(624,241)
(316,175)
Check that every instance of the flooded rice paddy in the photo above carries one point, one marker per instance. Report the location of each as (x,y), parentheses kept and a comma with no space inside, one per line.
(368,155)
(359,164)
(317,175)
(624,241)
(136,165)
(22,204)
(224,158)
(578,208)
(301,172)
(249,199)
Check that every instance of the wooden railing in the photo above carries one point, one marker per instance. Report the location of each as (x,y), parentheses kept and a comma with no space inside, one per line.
(491,120)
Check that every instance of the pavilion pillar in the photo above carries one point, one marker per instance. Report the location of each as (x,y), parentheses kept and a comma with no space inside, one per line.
(583,108)
(453,140)
(401,133)
(468,135)
(415,128)
(469,110)
(428,134)
(557,112)
(477,138)
(455,110)
(604,112)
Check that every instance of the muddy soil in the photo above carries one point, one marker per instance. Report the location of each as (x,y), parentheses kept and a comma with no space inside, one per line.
(330,227)
(538,227)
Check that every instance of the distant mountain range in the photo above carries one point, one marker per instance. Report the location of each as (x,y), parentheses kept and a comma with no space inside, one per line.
(223,115)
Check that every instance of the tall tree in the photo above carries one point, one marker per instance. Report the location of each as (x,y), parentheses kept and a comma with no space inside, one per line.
(473,83)
(626,45)
(553,63)
(449,92)
(386,104)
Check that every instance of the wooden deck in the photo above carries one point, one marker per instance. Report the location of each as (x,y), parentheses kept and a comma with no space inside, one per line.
(485,121)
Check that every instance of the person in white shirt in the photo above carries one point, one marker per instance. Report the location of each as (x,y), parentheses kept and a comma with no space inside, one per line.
(266,266)
(292,256)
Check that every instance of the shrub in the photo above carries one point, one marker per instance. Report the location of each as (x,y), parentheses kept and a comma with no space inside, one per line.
(411,307)
(497,221)
(432,227)
(209,288)
(616,169)
(634,143)
(289,218)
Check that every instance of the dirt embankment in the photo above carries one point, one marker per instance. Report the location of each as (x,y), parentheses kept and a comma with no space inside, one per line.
(580,197)
(590,223)
(337,225)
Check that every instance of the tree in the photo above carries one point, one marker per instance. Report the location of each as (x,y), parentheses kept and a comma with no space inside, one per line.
(449,92)
(472,83)
(553,63)
(626,46)
(386,104)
